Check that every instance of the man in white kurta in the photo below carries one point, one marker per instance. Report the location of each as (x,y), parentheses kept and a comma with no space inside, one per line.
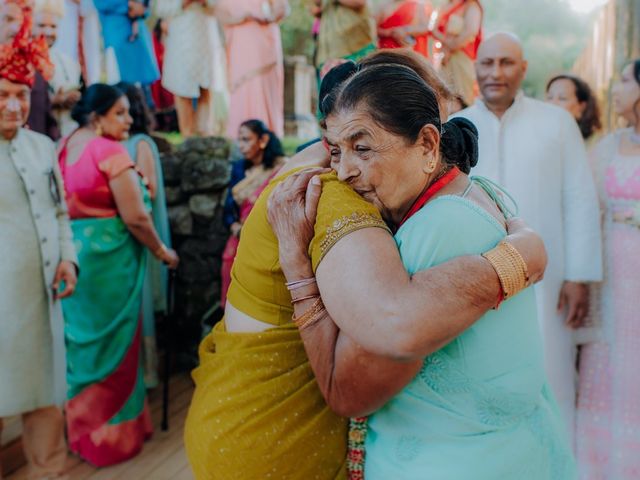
(38,257)
(81,21)
(66,81)
(536,152)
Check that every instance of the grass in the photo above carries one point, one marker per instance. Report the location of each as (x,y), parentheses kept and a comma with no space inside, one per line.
(289,144)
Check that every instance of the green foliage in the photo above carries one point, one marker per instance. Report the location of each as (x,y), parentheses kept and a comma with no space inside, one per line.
(289,145)
(174,138)
(553,35)
(296,30)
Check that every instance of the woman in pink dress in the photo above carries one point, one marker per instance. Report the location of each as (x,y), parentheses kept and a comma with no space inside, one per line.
(608,414)
(255,62)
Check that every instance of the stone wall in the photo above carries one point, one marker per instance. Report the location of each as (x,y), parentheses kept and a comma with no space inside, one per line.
(196,176)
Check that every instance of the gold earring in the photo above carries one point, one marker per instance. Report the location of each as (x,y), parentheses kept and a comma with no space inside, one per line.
(431,165)
(99,131)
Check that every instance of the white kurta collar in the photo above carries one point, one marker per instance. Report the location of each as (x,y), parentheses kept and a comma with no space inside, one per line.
(515,106)
(14,139)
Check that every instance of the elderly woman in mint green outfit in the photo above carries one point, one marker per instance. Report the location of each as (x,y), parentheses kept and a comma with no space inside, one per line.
(479,407)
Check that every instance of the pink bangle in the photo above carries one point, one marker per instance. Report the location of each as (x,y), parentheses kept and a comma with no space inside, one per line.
(306,297)
(300,283)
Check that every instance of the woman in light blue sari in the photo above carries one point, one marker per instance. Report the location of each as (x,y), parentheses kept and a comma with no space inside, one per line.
(479,406)
(144,152)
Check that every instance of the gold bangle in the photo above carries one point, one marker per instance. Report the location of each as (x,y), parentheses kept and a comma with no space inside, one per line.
(517,258)
(304,320)
(314,319)
(158,252)
(510,267)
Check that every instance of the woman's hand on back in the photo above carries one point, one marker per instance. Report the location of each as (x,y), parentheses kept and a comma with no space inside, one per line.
(530,245)
(170,258)
(291,210)
(315,155)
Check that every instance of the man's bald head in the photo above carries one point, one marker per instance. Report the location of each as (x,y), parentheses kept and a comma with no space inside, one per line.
(500,69)
(503,42)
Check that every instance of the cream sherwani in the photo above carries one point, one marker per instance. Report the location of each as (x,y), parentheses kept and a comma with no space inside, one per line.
(537,153)
(35,236)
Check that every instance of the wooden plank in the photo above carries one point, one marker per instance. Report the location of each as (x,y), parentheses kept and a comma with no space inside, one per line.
(161,456)
(169,468)
(161,445)
(184,474)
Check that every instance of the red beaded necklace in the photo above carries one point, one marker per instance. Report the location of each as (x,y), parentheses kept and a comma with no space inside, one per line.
(428,194)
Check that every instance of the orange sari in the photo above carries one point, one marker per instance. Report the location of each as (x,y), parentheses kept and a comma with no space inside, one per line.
(404,15)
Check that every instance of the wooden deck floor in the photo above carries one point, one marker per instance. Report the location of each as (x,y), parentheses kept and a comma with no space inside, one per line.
(163,457)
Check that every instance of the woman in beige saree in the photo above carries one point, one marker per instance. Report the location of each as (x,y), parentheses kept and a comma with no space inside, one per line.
(254,56)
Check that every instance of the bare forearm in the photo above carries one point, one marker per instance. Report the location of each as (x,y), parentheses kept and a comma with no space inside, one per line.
(460,41)
(353,381)
(143,231)
(418,29)
(375,302)
(452,297)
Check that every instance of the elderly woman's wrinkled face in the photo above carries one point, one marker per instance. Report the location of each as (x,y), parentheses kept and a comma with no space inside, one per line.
(386,169)
(626,94)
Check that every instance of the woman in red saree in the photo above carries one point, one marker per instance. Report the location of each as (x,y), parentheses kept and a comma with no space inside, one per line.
(394,15)
(458,33)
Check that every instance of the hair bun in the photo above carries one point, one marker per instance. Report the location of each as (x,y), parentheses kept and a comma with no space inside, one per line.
(333,79)
(459,143)
(80,111)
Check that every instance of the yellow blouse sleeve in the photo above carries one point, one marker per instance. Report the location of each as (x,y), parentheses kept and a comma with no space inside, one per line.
(340,212)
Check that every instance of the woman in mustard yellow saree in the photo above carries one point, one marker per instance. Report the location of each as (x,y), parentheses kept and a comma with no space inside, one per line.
(258,411)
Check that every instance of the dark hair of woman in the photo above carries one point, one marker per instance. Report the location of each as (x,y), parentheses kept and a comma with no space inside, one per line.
(589,122)
(636,76)
(405,57)
(143,121)
(402,103)
(97,99)
(416,62)
(330,82)
(273,150)
(157,29)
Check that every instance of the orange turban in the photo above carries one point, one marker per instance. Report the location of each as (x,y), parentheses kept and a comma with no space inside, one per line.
(20,59)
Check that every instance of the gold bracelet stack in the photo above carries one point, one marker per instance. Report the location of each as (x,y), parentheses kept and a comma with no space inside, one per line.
(311,316)
(510,267)
(160,251)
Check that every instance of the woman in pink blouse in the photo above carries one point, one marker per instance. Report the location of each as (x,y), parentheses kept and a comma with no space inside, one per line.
(107,414)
